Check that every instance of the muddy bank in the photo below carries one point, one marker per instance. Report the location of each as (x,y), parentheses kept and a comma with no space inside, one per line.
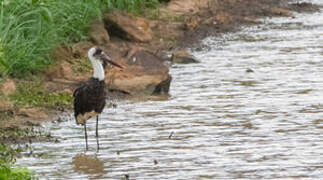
(230,16)
(141,46)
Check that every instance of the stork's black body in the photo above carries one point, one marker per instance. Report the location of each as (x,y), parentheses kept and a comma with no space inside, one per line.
(89,99)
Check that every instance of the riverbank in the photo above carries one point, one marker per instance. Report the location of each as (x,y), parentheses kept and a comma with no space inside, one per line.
(26,103)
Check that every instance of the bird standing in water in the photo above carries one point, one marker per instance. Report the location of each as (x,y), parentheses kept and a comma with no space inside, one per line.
(89,99)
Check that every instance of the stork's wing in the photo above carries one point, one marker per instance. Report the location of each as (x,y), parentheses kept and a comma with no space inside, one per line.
(79,89)
(80,99)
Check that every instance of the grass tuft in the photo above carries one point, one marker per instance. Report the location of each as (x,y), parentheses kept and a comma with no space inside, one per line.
(7,173)
(31,29)
(7,158)
(35,95)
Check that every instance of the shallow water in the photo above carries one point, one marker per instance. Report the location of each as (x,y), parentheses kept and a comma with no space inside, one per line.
(220,122)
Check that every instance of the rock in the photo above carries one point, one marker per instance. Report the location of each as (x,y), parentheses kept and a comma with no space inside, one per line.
(62,70)
(252,20)
(192,23)
(210,21)
(249,70)
(183,57)
(143,74)
(181,7)
(304,7)
(281,12)
(6,105)
(66,70)
(223,18)
(128,27)
(99,35)
(8,87)
(67,91)
(33,113)
(80,49)
(63,85)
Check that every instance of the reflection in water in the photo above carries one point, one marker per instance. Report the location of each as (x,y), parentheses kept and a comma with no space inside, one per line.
(88,164)
(252,110)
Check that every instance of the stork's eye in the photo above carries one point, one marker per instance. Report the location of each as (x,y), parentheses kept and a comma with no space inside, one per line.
(97,52)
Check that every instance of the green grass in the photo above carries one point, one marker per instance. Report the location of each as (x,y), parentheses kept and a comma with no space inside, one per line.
(8,173)
(31,29)
(33,94)
(7,158)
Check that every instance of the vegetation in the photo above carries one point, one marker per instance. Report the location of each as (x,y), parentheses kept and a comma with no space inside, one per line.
(7,158)
(33,94)
(133,6)
(7,173)
(8,154)
(31,29)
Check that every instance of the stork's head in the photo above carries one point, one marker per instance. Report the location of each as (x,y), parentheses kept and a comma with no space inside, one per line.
(96,54)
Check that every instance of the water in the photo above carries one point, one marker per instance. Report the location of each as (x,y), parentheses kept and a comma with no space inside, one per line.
(224,122)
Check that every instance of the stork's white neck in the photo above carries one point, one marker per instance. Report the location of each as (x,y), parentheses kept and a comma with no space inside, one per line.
(97,68)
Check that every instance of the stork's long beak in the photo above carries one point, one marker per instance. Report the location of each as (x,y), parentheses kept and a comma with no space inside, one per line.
(106,59)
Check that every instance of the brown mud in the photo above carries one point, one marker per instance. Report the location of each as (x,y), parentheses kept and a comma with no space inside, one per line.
(178,25)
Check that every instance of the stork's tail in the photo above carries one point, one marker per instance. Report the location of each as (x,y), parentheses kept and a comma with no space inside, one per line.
(78,120)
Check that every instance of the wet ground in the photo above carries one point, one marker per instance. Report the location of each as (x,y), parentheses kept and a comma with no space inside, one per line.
(252,109)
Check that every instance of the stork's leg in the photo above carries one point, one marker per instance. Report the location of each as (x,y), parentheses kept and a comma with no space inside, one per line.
(85,136)
(97,126)
(97,133)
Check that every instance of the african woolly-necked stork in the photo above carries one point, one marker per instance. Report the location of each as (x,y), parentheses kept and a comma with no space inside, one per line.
(89,99)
